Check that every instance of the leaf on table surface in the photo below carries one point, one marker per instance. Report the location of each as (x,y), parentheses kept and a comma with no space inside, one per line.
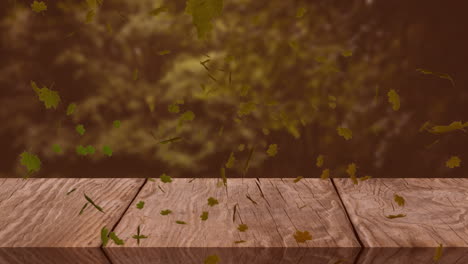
(104,236)
(165,212)
(298,178)
(71,108)
(231,161)
(116,239)
(242,227)
(99,208)
(302,236)
(395,216)
(399,200)
(212,201)
(107,151)
(165,178)
(140,205)
(204,216)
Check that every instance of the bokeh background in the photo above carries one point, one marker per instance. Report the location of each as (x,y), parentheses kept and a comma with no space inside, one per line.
(264,75)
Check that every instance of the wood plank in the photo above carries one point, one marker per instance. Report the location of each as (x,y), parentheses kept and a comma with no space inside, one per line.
(436,213)
(40,223)
(282,207)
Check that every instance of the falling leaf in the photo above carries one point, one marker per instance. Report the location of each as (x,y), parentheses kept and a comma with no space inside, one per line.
(165,178)
(80,129)
(438,74)
(351,170)
(104,236)
(50,98)
(31,161)
(223,176)
(164,52)
(425,126)
(298,179)
(399,200)
(365,178)
(213,259)
(300,12)
(453,162)
(320,160)
(80,150)
(116,239)
(231,161)
(139,236)
(394,99)
(187,116)
(107,150)
(246,108)
(38,6)
(302,237)
(171,140)
(438,253)
(71,109)
(395,216)
(272,150)
(94,204)
(247,162)
(347,53)
(109,28)
(173,108)
(140,205)
(165,212)
(204,216)
(158,10)
(203,13)
(345,132)
(325,174)
(456,125)
(180,222)
(90,149)
(56,148)
(241,147)
(242,227)
(212,201)
(116,123)
(135,74)
(332,101)
(90,16)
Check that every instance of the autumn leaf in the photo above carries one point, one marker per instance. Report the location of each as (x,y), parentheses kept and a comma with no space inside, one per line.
(347,53)
(395,216)
(104,236)
(31,162)
(272,150)
(50,98)
(239,241)
(165,178)
(332,101)
(394,99)
(438,253)
(302,237)
(453,162)
(241,147)
(242,227)
(246,108)
(231,161)
(38,6)
(107,150)
(180,222)
(365,178)
(71,109)
(140,205)
(325,174)
(456,125)
(158,11)
(345,132)
(90,16)
(116,239)
(203,13)
(213,259)
(399,200)
(300,12)
(351,171)
(56,148)
(80,129)
(204,216)
(320,160)
(165,212)
(173,108)
(298,179)
(212,201)
(438,74)
(117,123)
(164,52)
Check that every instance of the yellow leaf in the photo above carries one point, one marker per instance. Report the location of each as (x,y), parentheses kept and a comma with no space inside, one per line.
(38,6)
(320,160)
(272,150)
(456,125)
(395,216)
(302,237)
(298,179)
(453,162)
(399,200)
(345,132)
(394,99)
(351,170)
(325,174)
(438,253)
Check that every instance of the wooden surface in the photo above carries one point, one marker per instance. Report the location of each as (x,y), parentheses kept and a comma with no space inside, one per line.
(282,208)
(436,213)
(38,213)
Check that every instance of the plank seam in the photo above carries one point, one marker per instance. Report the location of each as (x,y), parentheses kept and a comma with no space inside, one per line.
(121,217)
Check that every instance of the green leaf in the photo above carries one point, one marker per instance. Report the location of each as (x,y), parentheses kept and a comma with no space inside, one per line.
(302,237)
(80,150)
(325,174)
(203,13)
(71,109)
(213,259)
(180,222)
(395,216)
(56,148)
(107,151)
(140,205)
(38,6)
(223,176)
(231,161)
(104,236)
(117,123)
(116,239)
(345,132)
(31,161)
(272,150)
(138,236)
(242,227)
(204,216)
(212,201)
(165,212)
(165,178)
(80,129)
(50,98)
(394,99)
(453,162)
(399,200)
(90,149)
(93,204)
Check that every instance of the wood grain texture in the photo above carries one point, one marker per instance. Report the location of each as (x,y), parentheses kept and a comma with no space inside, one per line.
(37,214)
(436,209)
(282,207)
(398,255)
